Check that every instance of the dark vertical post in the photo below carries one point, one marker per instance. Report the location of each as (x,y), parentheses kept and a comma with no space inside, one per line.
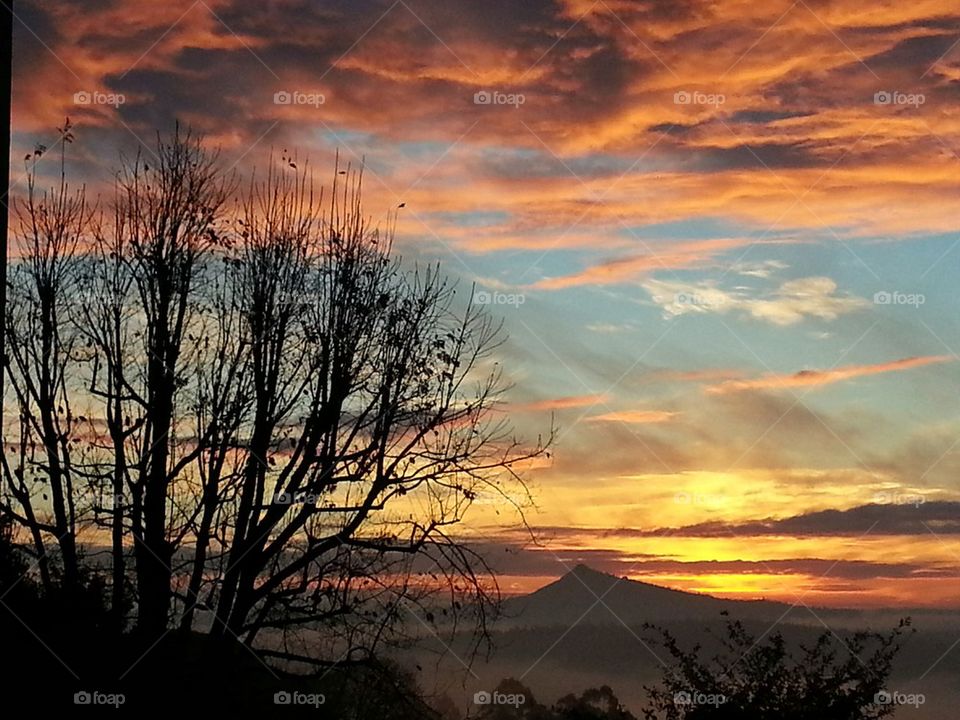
(6,74)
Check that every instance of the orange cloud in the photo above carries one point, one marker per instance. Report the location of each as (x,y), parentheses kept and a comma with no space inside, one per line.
(779,151)
(807,378)
(664,257)
(639,417)
(561,403)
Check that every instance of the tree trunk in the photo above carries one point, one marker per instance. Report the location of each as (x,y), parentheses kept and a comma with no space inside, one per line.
(153,551)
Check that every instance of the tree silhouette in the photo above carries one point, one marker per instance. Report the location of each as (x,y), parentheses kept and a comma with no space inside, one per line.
(275,421)
(6,88)
(40,342)
(762,678)
(594,704)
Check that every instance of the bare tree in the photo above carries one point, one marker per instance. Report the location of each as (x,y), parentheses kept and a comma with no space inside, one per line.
(371,427)
(50,225)
(167,220)
(103,317)
(288,423)
(223,400)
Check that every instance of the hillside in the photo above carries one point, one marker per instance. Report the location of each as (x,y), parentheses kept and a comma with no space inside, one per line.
(586,596)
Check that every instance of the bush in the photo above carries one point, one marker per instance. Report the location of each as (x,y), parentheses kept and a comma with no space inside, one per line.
(763,679)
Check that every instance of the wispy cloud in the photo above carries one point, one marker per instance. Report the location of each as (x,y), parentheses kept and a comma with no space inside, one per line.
(658,256)
(807,378)
(792,302)
(560,403)
(638,417)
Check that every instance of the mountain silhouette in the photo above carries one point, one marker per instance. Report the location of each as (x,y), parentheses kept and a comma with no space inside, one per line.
(588,596)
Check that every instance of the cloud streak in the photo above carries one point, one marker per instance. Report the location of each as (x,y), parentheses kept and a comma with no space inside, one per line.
(635,417)
(791,303)
(815,378)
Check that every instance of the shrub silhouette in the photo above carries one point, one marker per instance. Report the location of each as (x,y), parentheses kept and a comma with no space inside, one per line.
(764,679)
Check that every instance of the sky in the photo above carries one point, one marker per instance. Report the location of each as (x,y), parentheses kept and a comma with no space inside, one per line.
(722,235)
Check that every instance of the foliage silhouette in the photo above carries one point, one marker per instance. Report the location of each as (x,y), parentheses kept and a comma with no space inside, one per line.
(762,678)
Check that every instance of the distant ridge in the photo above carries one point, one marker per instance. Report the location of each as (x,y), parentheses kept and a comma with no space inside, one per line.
(588,596)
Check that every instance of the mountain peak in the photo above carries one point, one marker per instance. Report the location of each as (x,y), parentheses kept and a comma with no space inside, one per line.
(584,578)
(584,595)
(585,572)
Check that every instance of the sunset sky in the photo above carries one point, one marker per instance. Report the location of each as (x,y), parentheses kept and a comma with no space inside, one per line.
(723,237)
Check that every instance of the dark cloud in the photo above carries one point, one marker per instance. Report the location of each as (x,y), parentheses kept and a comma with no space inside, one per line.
(905,57)
(849,569)
(541,561)
(922,518)
(750,156)
(766,116)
